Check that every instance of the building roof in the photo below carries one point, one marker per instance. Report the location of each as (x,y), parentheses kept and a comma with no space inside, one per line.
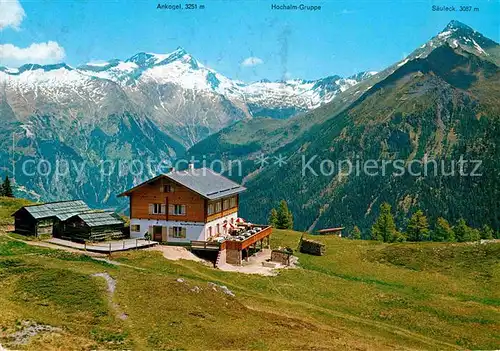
(62,210)
(331,230)
(97,219)
(209,184)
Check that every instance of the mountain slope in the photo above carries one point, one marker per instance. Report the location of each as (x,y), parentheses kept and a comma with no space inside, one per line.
(186,99)
(148,107)
(416,113)
(441,105)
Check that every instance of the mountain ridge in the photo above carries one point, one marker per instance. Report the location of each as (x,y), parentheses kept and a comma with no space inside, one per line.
(422,106)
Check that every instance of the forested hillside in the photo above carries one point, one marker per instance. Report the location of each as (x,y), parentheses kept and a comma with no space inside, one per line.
(438,108)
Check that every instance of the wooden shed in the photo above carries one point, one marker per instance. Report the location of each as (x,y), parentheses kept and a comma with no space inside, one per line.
(46,219)
(94,226)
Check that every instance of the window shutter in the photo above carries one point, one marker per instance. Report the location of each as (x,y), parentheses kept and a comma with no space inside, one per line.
(170,209)
(150,231)
(151,208)
(183,209)
(183,232)
(161,188)
(163,208)
(164,233)
(171,231)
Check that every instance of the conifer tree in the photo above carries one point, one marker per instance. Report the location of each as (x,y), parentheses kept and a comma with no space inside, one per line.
(486,232)
(418,228)
(465,233)
(384,228)
(7,188)
(355,233)
(273,218)
(285,217)
(443,231)
(475,234)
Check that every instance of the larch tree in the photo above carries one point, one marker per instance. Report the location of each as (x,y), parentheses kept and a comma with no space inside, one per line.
(443,231)
(418,228)
(486,232)
(355,233)
(273,218)
(285,217)
(384,228)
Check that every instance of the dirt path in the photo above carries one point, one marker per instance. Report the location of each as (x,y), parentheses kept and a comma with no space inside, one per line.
(94,255)
(55,247)
(111,283)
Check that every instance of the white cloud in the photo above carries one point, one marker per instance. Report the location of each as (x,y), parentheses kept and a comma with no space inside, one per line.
(251,61)
(11,14)
(42,53)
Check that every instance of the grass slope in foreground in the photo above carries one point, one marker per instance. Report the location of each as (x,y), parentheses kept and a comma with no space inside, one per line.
(360,295)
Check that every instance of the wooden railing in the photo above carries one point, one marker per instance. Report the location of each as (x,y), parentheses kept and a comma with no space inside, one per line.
(233,245)
(240,245)
(221,214)
(205,245)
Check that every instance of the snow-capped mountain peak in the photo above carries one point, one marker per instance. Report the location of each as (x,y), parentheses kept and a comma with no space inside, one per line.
(154,77)
(457,34)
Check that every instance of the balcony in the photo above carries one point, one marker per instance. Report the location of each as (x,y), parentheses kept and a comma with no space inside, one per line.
(239,242)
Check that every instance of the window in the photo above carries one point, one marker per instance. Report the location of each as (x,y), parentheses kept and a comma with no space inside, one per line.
(135,228)
(179,210)
(232,202)
(218,206)
(210,209)
(218,229)
(177,232)
(156,209)
(225,204)
(168,188)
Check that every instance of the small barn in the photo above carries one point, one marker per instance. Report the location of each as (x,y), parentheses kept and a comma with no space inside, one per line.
(46,219)
(94,226)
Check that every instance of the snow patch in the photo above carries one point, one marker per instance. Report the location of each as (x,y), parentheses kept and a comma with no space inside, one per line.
(29,133)
(402,63)
(97,64)
(445,34)
(478,48)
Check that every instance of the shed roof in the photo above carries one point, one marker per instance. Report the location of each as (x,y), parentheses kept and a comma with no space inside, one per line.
(331,230)
(62,210)
(203,181)
(97,219)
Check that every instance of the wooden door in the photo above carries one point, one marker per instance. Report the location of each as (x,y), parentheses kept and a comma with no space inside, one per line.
(157,233)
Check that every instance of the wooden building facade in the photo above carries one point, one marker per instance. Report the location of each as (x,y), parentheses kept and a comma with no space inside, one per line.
(72,220)
(94,226)
(183,206)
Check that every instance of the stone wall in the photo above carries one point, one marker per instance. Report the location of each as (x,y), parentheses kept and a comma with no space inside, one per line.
(312,247)
(281,256)
(233,256)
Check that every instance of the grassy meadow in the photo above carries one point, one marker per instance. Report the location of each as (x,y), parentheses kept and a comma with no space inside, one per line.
(361,295)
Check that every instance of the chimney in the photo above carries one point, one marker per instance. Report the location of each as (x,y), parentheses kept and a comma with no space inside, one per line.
(191,166)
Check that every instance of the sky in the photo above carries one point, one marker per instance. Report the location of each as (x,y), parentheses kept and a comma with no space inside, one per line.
(241,39)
